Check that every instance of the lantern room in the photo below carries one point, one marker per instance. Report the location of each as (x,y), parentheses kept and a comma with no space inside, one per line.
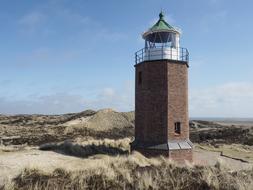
(162,41)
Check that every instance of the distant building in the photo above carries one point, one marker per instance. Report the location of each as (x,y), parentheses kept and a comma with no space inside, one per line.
(161,95)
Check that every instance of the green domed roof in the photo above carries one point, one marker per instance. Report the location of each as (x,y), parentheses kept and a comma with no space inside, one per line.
(161,24)
(161,29)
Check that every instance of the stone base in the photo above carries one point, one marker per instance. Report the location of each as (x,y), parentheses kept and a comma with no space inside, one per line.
(178,155)
(182,155)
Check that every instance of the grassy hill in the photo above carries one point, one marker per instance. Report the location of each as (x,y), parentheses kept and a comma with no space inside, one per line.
(90,150)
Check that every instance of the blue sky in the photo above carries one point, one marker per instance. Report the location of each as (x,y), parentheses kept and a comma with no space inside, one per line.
(59,56)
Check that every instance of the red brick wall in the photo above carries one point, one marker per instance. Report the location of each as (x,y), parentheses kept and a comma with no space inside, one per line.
(178,100)
(160,101)
(181,155)
(151,103)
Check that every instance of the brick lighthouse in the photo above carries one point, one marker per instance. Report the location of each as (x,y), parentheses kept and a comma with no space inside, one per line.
(161,95)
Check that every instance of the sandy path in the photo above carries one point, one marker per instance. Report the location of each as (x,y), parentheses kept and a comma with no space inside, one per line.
(11,163)
(204,157)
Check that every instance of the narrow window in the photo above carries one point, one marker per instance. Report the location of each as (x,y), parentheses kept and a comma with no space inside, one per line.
(139,77)
(177,128)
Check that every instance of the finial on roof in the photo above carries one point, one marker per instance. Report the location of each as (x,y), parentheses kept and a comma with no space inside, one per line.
(161,15)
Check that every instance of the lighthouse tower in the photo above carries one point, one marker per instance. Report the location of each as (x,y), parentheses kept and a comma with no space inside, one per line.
(161,95)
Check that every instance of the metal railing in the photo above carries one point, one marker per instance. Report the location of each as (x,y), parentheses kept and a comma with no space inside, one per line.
(160,53)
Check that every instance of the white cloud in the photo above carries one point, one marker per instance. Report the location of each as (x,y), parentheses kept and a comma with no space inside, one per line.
(31,21)
(45,55)
(5,82)
(108,35)
(120,99)
(64,102)
(210,22)
(45,22)
(50,104)
(108,92)
(32,18)
(70,16)
(227,100)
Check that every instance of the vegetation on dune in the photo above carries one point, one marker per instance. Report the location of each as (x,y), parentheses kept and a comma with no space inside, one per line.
(135,172)
(90,147)
(225,135)
(102,138)
(122,170)
(33,120)
(40,129)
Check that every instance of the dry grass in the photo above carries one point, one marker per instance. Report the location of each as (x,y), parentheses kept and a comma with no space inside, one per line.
(119,170)
(135,172)
(40,129)
(12,148)
(103,120)
(126,171)
(90,147)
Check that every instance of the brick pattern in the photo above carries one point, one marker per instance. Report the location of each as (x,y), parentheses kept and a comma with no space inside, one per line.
(180,156)
(150,103)
(161,100)
(177,100)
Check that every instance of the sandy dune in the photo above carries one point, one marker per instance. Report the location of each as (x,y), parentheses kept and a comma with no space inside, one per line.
(12,163)
(28,132)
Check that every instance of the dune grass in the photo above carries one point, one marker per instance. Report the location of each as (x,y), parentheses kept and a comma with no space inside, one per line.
(117,169)
(90,147)
(135,172)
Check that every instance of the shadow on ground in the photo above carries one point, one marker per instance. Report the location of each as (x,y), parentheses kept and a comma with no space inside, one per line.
(83,151)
